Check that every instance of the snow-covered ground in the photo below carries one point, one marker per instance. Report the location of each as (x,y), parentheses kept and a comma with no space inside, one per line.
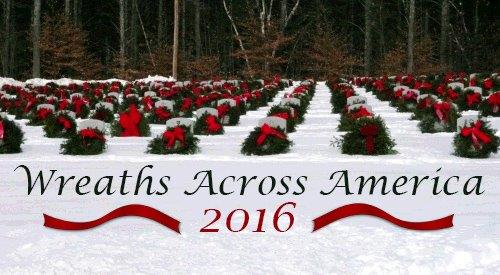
(354,245)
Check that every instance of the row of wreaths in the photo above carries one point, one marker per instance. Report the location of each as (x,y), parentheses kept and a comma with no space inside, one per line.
(436,101)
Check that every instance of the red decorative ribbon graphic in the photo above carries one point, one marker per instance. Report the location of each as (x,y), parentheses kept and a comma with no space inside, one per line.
(127,210)
(370,210)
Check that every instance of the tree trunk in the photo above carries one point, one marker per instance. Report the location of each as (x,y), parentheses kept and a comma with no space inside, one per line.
(237,33)
(411,34)
(36,37)
(381,28)
(183,33)
(197,31)
(176,40)
(368,36)
(122,34)
(76,12)
(444,35)
(7,37)
(476,34)
(426,24)
(283,13)
(67,9)
(161,22)
(134,26)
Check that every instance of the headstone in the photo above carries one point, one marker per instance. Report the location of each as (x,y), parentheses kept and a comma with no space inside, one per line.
(422,96)
(3,115)
(46,106)
(357,106)
(356,100)
(76,95)
(290,100)
(477,90)
(92,124)
(106,105)
(178,121)
(68,113)
(114,94)
(454,85)
(150,94)
(415,91)
(398,87)
(230,101)
(41,96)
(169,104)
(210,111)
(466,121)
(132,95)
(275,122)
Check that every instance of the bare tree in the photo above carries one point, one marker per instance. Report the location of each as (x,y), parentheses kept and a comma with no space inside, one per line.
(176,39)
(67,9)
(161,21)
(368,36)
(411,34)
(134,32)
(37,7)
(237,33)
(122,34)
(197,31)
(444,34)
(7,47)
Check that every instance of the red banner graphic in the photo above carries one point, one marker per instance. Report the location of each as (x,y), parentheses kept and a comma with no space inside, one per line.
(136,210)
(370,210)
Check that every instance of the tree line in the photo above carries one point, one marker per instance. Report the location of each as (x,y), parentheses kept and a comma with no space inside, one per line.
(246,38)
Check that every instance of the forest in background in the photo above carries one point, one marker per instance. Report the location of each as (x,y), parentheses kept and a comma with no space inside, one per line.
(128,39)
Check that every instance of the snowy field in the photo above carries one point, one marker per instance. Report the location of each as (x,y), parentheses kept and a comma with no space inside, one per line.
(355,245)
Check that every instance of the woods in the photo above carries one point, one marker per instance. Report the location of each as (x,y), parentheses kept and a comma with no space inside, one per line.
(131,39)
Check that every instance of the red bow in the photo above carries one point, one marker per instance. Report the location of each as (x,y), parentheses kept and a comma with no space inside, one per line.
(171,136)
(494,101)
(369,131)
(488,83)
(473,98)
(1,130)
(452,94)
(410,95)
(476,134)
(424,103)
(91,134)
(78,103)
(63,104)
(442,109)
(130,122)
(186,104)
(361,112)
(66,123)
(379,85)
(43,113)
(162,114)
(282,115)
(148,103)
(222,110)
(213,125)
(266,131)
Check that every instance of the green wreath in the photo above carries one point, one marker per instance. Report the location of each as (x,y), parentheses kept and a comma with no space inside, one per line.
(79,145)
(55,126)
(291,122)
(271,146)
(355,143)
(465,147)
(13,137)
(190,146)
(104,114)
(201,126)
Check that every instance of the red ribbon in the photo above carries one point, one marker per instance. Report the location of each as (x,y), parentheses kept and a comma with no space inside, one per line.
(135,210)
(171,136)
(63,104)
(78,103)
(266,131)
(66,123)
(186,104)
(494,101)
(43,113)
(162,114)
(148,103)
(476,134)
(91,134)
(1,130)
(282,115)
(129,122)
(442,109)
(222,110)
(488,83)
(370,210)
(473,98)
(212,125)
(369,131)
(361,112)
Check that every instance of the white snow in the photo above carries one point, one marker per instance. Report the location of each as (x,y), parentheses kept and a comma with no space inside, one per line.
(362,245)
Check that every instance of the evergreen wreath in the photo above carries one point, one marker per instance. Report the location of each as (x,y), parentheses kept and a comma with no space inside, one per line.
(38,117)
(266,140)
(160,115)
(175,140)
(468,100)
(208,124)
(184,106)
(491,105)
(84,142)
(233,114)
(104,114)
(368,136)
(61,125)
(348,118)
(131,123)
(11,137)
(430,122)
(477,140)
(286,113)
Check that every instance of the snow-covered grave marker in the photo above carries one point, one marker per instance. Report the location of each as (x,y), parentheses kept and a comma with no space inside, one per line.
(3,115)
(466,120)
(454,85)
(68,113)
(92,124)
(399,87)
(415,91)
(475,89)
(132,95)
(169,104)
(290,100)
(39,96)
(114,94)
(275,122)
(55,98)
(180,121)
(423,96)
(230,101)
(211,111)
(150,94)
(76,95)
(186,83)
(357,106)
(46,106)
(357,99)
(105,105)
